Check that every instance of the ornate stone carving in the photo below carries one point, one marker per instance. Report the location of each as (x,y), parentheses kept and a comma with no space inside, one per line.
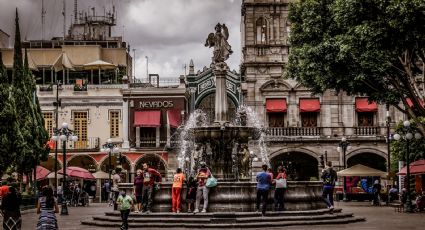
(222,49)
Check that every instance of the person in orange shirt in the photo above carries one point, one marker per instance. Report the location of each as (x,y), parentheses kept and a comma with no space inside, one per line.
(176,190)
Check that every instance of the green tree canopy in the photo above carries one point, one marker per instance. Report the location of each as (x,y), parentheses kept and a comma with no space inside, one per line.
(363,47)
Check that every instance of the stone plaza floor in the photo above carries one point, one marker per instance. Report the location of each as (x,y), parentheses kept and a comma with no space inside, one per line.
(382,217)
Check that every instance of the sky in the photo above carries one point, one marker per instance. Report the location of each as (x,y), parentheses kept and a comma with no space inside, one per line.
(168,32)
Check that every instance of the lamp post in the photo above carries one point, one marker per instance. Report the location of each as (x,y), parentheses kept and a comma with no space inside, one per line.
(111,149)
(388,123)
(407,135)
(64,134)
(57,103)
(343,146)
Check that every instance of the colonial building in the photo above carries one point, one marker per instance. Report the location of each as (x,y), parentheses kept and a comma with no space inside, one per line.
(303,128)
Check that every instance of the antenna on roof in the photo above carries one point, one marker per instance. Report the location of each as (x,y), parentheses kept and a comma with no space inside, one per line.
(75,11)
(64,19)
(43,15)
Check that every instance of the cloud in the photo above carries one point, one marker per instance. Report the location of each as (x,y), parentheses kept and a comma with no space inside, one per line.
(169,32)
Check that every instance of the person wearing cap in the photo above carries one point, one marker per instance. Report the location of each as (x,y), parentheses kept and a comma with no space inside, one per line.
(202,176)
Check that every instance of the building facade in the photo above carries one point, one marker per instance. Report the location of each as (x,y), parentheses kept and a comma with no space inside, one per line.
(302,128)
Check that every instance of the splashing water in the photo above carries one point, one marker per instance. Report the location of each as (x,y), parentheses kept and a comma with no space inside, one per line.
(197,119)
(254,121)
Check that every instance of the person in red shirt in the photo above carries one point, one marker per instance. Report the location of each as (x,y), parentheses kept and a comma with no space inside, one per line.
(150,175)
(4,189)
(279,191)
(176,190)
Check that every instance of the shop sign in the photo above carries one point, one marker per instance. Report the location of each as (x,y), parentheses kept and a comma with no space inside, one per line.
(156,104)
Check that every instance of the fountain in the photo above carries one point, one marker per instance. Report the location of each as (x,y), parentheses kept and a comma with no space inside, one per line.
(224,146)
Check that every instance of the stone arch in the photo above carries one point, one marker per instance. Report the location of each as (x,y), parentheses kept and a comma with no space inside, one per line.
(155,161)
(83,161)
(208,98)
(104,163)
(370,157)
(261,30)
(275,85)
(301,164)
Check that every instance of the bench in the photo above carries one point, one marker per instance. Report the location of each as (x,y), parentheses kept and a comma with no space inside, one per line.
(398,206)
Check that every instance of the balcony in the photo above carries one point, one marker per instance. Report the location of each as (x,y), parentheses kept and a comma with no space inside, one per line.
(91,144)
(293,131)
(366,131)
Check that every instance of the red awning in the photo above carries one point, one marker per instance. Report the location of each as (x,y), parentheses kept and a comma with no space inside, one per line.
(174,118)
(362,105)
(148,118)
(309,105)
(416,168)
(410,103)
(276,105)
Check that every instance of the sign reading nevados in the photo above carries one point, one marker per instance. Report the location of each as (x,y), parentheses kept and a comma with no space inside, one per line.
(156,104)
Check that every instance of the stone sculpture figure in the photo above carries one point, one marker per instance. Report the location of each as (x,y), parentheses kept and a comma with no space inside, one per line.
(245,161)
(222,49)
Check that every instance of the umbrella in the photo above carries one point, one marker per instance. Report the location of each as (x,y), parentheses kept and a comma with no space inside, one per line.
(52,176)
(101,175)
(361,170)
(77,172)
(417,167)
(99,65)
(41,173)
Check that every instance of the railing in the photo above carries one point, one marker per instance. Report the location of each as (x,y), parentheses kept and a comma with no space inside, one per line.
(366,131)
(293,131)
(92,143)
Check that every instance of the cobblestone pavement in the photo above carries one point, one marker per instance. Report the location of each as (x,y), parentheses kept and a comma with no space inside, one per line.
(377,218)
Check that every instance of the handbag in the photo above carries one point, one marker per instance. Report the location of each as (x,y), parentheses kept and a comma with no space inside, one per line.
(281,183)
(211,182)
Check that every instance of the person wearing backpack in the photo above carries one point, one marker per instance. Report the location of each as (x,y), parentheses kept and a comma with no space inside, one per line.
(329,177)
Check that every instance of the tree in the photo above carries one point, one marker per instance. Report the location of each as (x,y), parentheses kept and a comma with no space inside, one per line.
(11,140)
(29,114)
(363,47)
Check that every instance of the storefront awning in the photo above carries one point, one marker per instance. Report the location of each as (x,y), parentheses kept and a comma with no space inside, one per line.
(410,103)
(362,105)
(276,105)
(174,118)
(149,118)
(308,105)
(416,168)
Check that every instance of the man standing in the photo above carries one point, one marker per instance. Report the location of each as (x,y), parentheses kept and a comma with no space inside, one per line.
(116,179)
(329,177)
(263,186)
(149,176)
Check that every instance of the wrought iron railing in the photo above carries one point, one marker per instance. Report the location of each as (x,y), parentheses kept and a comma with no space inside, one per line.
(91,143)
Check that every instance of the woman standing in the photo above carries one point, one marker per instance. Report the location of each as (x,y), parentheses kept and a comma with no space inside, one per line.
(138,188)
(10,208)
(280,189)
(47,207)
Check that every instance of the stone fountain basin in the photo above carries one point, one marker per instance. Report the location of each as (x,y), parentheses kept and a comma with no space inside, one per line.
(238,133)
(240,196)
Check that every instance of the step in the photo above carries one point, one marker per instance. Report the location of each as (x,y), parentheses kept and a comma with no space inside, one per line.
(238,214)
(227,225)
(202,219)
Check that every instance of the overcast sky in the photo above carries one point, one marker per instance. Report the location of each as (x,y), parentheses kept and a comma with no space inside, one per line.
(169,32)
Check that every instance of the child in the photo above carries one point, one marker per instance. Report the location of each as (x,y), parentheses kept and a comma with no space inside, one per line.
(191,193)
(125,202)
(176,190)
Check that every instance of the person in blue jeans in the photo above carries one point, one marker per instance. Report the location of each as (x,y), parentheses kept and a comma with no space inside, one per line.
(264,181)
(329,177)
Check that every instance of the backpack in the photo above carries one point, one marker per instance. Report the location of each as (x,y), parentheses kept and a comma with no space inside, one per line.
(329,177)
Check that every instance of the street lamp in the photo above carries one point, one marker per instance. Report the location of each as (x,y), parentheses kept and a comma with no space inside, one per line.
(111,149)
(388,122)
(57,103)
(64,134)
(343,146)
(407,135)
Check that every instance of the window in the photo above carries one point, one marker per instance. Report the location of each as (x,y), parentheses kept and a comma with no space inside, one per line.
(276,119)
(309,119)
(365,119)
(261,31)
(114,122)
(48,122)
(80,128)
(147,137)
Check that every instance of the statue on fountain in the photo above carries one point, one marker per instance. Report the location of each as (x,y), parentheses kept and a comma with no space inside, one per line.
(222,49)
(245,162)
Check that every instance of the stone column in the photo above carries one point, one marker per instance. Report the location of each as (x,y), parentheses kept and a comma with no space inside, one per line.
(126,144)
(137,137)
(168,135)
(158,137)
(220,71)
